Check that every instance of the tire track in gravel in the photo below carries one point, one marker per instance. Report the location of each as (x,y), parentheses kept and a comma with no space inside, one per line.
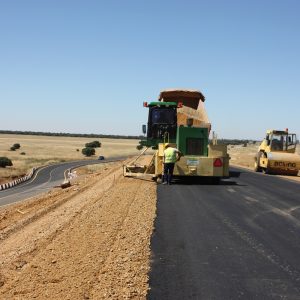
(105,246)
(22,243)
(125,272)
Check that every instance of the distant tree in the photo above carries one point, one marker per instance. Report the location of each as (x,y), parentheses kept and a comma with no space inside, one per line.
(94,144)
(12,148)
(17,146)
(88,151)
(90,135)
(232,141)
(5,162)
(139,147)
(77,150)
(22,153)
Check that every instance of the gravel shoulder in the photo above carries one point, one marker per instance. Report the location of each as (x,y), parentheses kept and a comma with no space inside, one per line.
(90,241)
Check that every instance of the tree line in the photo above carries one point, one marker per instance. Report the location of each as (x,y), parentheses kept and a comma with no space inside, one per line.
(112,136)
(65,134)
(235,141)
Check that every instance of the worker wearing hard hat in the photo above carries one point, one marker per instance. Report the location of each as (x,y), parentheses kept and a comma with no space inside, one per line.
(171,155)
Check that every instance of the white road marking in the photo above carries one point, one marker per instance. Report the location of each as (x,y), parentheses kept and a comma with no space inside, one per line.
(292,209)
(250,199)
(231,190)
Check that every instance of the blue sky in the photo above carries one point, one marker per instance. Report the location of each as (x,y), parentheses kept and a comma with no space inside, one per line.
(87,66)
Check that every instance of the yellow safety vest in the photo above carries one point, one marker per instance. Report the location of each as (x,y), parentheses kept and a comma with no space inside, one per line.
(170,155)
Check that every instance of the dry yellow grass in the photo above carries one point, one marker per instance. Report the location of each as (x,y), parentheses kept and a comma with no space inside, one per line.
(44,150)
(243,156)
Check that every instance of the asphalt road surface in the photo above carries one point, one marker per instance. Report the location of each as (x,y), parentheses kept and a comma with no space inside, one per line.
(44,180)
(236,240)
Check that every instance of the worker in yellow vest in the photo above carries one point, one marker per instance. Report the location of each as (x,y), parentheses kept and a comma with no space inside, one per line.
(171,155)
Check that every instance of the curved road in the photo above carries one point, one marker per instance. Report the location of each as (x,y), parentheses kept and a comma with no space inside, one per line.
(236,240)
(44,179)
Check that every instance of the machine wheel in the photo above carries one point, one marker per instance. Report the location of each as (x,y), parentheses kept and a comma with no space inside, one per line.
(265,170)
(257,168)
(295,173)
(158,179)
(216,180)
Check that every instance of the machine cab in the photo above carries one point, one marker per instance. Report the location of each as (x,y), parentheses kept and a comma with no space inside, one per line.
(162,123)
(281,141)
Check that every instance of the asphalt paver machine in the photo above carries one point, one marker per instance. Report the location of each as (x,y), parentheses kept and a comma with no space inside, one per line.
(179,119)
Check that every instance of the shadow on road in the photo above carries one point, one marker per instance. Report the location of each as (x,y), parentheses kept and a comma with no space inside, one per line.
(203,181)
(234,174)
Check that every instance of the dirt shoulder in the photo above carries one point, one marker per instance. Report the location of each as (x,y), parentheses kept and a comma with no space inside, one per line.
(91,241)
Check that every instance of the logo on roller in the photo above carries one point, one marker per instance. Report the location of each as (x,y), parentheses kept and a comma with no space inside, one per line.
(284,164)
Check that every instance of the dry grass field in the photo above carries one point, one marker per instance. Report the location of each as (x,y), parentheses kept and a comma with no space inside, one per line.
(44,150)
(242,156)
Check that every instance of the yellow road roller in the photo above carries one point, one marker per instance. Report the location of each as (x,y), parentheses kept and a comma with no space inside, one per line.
(277,154)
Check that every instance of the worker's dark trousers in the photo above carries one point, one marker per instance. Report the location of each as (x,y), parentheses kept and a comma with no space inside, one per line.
(168,172)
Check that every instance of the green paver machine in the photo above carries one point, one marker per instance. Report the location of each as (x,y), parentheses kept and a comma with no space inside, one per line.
(179,118)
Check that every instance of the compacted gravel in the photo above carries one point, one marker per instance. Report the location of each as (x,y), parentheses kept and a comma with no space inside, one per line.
(90,241)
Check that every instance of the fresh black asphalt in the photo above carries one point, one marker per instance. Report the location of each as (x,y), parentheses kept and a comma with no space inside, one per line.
(236,240)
